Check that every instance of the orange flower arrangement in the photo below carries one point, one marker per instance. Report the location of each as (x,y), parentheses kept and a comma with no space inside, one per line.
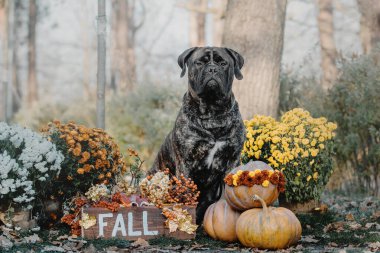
(91,157)
(183,190)
(257,177)
(72,216)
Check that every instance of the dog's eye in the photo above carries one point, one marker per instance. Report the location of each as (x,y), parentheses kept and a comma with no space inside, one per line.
(199,63)
(223,63)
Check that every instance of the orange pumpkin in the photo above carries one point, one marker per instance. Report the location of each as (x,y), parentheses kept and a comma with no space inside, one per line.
(240,197)
(219,221)
(268,228)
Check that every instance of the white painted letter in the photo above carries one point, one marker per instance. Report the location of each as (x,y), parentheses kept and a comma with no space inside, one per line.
(102,224)
(130,226)
(145,225)
(119,226)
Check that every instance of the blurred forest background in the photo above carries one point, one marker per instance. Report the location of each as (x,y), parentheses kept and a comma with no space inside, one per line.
(321,55)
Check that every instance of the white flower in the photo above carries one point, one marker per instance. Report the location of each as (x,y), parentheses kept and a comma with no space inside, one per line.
(25,157)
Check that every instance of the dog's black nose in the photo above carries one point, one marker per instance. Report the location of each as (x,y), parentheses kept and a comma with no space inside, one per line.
(212,69)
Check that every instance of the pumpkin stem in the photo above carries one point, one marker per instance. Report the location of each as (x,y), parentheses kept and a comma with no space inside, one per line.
(264,205)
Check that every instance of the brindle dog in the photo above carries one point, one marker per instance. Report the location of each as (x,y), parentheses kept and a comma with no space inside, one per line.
(208,134)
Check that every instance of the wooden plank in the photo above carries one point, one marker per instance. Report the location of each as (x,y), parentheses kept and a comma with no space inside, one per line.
(131,223)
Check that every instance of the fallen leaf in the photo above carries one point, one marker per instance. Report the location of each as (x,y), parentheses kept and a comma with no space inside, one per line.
(309,238)
(53,248)
(374,246)
(140,243)
(56,243)
(90,249)
(321,209)
(350,217)
(5,243)
(112,249)
(376,214)
(354,225)
(62,237)
(32,239)
(370,224)
(338,226)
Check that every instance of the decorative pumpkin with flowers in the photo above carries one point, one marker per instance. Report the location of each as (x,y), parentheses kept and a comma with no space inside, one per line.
(91,157)
(253,178)
(298,145)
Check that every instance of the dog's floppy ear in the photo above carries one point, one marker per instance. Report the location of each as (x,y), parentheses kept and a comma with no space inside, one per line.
(182,59)
(238,62)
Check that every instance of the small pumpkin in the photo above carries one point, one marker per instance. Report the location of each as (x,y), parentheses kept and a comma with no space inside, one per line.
(220,220)
(268,227)
(240,197)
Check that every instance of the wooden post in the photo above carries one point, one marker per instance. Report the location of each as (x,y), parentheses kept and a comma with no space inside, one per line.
(9,90)
(101,76)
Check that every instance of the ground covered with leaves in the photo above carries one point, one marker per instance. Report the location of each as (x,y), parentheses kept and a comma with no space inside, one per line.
(343,224)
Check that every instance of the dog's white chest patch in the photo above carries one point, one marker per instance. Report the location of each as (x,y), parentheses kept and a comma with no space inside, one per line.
(211,154)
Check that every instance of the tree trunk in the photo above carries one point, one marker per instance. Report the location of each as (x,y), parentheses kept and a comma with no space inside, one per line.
(4,58)
(123,58)
(32,73)
(10,49)
(198,23)
(100,99)
(218,21)
(327,43)
(86,55)
(17,93)
(369,23)
(255,29)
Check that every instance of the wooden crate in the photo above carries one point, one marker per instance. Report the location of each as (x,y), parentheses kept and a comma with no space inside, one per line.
(131,223)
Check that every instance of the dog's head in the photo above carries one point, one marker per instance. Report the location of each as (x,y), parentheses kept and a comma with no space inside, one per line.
(211,71)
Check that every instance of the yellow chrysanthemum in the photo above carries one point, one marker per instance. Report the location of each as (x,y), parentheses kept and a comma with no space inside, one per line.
(308,178)
(251,173)
(265,183)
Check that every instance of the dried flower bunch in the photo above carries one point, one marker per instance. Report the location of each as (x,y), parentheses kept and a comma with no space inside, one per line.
(179,218)
(28,165)
(257,177)
(97,196)
(163,188)
(91,157)
(71,217)
(128,182)
(183,190)
(298,145)
(156,188)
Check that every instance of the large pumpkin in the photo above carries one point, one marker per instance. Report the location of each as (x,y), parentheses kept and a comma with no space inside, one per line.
(240,197)
(220,220)
(268,227)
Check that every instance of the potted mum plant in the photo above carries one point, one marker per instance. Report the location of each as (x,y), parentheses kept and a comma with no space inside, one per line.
(28,165)
(298,145)
(91,157)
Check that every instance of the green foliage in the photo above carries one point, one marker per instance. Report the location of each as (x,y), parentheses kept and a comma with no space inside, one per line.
(143,118)
(44,111)
(354,104)
(299,91)
(140,120)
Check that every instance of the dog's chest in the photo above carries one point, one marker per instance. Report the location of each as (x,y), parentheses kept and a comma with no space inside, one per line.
(218,146)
